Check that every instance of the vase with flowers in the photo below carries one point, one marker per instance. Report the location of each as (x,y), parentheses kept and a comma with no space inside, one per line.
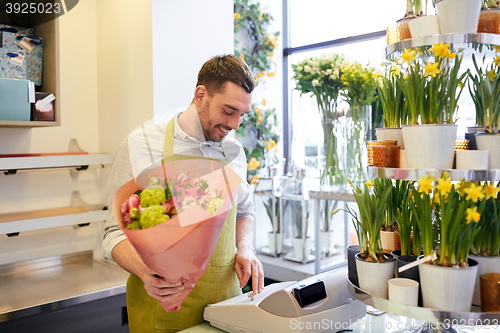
(431,93)
(359,85)
(320,77)
(484,89)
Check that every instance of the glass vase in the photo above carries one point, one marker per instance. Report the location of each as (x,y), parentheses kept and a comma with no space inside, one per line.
(357,130)
(331,166)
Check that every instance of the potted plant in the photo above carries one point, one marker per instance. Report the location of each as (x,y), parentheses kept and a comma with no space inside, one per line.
(320,77)
(301,242)
(485,93)
(489,18)
(374,266)
(448,281)
(423,24)
(392,100)
(359,85)
(431,94)
(458,16)
(275,236)
(486,247)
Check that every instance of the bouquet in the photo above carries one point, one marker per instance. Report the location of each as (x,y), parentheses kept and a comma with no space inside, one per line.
(174,220)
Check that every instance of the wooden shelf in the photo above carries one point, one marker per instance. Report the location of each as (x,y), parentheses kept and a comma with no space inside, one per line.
(46,162)
(16,123)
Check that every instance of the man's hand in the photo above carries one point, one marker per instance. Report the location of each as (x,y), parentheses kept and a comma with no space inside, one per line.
(246,265)
(158,288)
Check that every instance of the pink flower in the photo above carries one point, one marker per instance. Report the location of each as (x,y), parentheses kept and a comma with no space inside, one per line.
(133,201)
(167,206)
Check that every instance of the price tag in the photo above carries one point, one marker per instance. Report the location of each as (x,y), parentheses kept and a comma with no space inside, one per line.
(26,44)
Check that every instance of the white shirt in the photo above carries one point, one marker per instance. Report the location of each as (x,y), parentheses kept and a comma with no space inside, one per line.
(144,147)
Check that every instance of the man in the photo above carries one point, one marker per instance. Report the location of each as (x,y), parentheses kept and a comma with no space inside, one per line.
(221,98)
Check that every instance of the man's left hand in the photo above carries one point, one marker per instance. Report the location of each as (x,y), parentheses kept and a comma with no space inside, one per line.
(246,265)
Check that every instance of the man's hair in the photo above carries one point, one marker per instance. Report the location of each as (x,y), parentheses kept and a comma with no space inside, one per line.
(220,69)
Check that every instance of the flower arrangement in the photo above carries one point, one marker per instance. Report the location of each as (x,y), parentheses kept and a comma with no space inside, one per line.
(485,92)
(359,84)
(414,8)
(156,204)
(432,91)
(391,98)
(261,126)
(249,16)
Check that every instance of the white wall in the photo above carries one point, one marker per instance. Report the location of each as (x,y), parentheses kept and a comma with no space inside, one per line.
(185,35)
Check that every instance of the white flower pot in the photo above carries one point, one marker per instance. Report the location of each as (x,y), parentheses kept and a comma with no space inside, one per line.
(391,133)
(327,242)
(486,265)
(446,288)
(373,276)
(299,249)
(387,239)
(458,16)
(272,242)
(472,159)
(491,143)
(430,146)
(424,26)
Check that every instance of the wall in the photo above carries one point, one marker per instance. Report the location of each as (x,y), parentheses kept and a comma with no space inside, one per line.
(185,35)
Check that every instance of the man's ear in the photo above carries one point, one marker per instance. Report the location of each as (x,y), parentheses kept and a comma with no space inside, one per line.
(200,94)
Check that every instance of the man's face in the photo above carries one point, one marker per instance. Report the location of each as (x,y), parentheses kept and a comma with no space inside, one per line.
(223,111)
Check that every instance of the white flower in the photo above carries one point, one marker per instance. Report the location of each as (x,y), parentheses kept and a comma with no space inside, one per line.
(332,77)
(300,68)
(310,62)
(315,64)
(328,71)
(315,82)
(307,69)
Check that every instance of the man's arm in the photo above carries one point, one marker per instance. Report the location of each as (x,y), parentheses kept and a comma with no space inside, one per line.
(246,263)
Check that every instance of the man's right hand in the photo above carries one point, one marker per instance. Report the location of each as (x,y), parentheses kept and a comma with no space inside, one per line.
(158,288)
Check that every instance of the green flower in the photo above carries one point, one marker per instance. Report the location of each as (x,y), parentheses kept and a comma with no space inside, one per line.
(153,215)
(214,205)
(152,197)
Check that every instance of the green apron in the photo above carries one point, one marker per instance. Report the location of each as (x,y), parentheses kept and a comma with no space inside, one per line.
(218,282)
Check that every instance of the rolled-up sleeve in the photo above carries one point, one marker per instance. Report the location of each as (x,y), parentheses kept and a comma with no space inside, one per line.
(245,200)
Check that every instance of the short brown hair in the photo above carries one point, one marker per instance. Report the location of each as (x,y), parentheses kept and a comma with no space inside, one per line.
(218,70)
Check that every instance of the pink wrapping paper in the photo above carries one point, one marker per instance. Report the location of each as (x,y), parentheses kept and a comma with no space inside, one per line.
(179,249)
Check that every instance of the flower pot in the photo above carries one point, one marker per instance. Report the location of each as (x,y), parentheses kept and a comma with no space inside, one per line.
(458,16)
(447,288)
(399,31)
(486,265)
(388,241)
(489,21)
(299,248)
(424,26)
(275,242)
(373,276)
(352,250)
(403,164)
(327,242)
(430,146)
(411,273)
(393,133)
(471,136)
(404,291)
(472,159)
(490,142)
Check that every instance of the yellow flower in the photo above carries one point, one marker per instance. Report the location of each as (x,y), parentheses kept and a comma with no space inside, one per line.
(492,74)
(395,70)
(253,164)
(440,50)
(260,16)
(258,111)
(473,215)
(444,186)
(254,180)
(270,144)
(491,191)
(259,120)
(264,102)
(431,69)
(242,56)
(237,16)
(369,183)
(425,185)
(449,55)
(497,60)
(408,56)
(474,193)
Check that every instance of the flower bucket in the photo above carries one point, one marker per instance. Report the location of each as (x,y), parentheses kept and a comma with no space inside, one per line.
(486,265)
(430,146)
(275,242)
(391,133)
(458,16)
(490,142)
(299,248)
(489,21)
(373,276)
(447,288)
(424,26)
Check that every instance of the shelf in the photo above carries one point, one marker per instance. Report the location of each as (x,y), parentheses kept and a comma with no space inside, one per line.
(44,162)
(468,43)
(416,174)
(419,313)
(332,195)
(48,284)
(14,227)
(16,123)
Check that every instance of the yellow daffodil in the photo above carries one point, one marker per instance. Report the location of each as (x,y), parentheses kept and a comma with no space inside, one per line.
(264,102)
(242,56)
(491,191)
(369,183)
(237,16)
(440,50)
(408,56)
(474,193)
(431,69)
(460,187)
(259,119)
(450,55)
(254,180)
(473,215)
(492,74)
(270,144)
(253,164)
(497,60)
(425,185)
(395,70)
(444,186)
(260,16)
